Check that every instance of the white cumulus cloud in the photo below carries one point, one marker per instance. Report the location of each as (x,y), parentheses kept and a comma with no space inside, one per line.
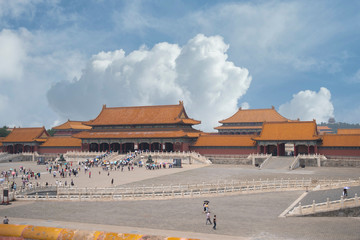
(197,73)
(12,55)
(308,105)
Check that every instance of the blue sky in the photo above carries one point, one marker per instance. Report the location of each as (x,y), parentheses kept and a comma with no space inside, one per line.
(62,60)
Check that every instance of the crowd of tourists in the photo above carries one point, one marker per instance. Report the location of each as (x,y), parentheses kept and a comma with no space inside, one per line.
(27,176)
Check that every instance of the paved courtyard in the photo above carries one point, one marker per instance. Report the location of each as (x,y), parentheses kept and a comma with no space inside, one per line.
(246,216)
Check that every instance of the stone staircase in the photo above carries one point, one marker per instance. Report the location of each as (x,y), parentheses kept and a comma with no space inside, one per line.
(277,162)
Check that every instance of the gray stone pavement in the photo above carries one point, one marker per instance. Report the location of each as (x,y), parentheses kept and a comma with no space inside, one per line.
(246,216)
(332,194)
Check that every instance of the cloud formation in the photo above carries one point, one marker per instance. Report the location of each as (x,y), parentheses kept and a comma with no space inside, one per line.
(12,55)
(197,73)
(308,105)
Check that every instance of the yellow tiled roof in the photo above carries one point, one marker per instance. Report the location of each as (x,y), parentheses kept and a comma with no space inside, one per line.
(225,140)
(26,135)
(72,125)
(349,131)
(62,142)
(239,127)
(289,131)
(163,114)
(341,140)
(255,115)
(134,134)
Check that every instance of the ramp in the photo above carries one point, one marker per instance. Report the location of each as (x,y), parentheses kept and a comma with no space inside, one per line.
(278,163)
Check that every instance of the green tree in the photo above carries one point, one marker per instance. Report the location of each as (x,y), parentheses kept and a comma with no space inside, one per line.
(51,132)
(4,131)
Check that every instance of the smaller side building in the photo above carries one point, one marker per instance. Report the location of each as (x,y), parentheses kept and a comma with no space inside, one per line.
(340,145)
(301,134)
(224,145)
(60,145)
(25,140)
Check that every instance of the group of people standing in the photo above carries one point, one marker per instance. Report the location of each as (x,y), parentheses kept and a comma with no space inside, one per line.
(208,216)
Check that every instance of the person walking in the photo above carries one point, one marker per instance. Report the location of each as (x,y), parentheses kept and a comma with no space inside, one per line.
(6,220)
(214,221)
(112,181)
(208,218)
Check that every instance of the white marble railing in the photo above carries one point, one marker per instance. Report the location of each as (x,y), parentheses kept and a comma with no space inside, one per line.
(325,206)
(188,190)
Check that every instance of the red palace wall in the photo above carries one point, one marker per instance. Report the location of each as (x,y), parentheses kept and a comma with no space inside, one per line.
(223,151)
(186,147)
(43,150)
(339,152)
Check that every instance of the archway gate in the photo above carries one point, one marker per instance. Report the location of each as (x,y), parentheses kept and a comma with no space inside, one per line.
(277,148)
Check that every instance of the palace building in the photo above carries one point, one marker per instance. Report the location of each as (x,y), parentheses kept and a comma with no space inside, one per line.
(25,140)
(249,121)
(168,128)
(153,128)
(302,135)
(70,128)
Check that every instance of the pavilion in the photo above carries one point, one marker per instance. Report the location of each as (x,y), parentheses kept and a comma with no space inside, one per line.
(152,128)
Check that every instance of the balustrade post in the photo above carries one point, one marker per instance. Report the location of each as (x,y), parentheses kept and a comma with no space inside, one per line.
(313,206)
(342,202)
(356,199)
(327,202)
(300,208)
(79,196)
(47,196)
(36,196)
(172,193)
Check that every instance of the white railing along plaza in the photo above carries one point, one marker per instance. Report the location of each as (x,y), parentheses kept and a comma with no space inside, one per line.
(188,190)
(325,206)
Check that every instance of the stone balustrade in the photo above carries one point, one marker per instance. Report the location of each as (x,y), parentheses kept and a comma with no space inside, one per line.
(188,190)
(328,206)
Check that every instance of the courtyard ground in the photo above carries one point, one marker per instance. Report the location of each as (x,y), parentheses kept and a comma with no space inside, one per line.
(245,216)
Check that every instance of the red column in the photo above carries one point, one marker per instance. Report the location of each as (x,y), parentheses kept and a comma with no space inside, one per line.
(308,149)
(295,150)
(120,148)
(265,149)
(278,149)
(316,149)
(109,147)
(99,147)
